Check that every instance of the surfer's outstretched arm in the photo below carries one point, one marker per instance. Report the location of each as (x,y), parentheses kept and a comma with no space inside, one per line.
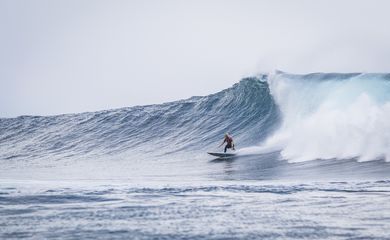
(222,142)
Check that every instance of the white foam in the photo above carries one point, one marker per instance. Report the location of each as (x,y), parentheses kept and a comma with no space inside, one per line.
(332,119)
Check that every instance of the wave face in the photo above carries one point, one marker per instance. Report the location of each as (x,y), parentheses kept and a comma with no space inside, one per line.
(305,117)
(190,126)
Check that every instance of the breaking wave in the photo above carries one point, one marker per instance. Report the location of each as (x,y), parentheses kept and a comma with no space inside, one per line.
(332,116)
(305,117)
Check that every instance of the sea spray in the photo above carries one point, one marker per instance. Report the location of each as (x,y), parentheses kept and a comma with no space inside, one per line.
(332,116)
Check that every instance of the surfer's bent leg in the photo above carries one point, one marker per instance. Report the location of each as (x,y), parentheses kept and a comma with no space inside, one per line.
(227,146)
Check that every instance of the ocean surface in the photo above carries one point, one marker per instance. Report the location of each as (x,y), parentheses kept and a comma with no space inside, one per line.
(313,162)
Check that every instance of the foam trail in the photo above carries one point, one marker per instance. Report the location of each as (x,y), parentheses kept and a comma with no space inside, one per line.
(332,117)
(258,150)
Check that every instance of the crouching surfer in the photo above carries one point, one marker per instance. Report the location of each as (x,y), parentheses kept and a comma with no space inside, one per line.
(229,142)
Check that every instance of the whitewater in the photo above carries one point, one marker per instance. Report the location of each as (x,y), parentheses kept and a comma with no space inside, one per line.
(313,162)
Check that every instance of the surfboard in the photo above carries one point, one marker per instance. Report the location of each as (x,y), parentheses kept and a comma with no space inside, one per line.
(222,155)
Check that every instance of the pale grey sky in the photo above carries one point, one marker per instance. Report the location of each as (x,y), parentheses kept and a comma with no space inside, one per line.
(63,56)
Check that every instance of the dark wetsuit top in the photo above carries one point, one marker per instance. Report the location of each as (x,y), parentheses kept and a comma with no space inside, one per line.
(229,141)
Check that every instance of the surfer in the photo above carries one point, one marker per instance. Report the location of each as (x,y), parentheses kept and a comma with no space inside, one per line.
(229,142)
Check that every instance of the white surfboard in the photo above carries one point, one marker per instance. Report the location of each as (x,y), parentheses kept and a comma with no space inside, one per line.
(222,155)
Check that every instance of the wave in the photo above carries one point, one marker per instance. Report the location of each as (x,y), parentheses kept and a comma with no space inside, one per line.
(246,110)
(304,117)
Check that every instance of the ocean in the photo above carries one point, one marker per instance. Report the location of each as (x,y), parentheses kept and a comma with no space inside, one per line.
(312,162)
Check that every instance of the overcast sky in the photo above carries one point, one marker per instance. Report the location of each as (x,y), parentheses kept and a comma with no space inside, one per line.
(63,56)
